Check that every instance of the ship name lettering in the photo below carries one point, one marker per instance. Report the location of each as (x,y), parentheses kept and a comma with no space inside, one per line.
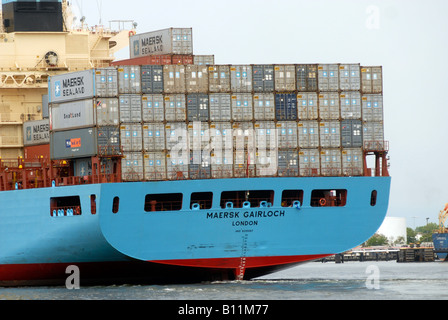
(264,214)
(222,215)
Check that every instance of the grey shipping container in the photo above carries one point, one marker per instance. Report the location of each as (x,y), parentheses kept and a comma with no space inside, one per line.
(197,107)
(306,77)
(130,108)
(244,164)
(177,166)
(106,82)
(352,162)
(72,114)
(131,137)
(287,134)
(79,143)
(309,162)
(196,78)
(242,107)
(107,111)
(372,107)
(328,77)
(286,106)
(153,108)
(285,78)
(308,134)
(132,166)
(222,164)
(350,105)
(175,107)
(328,106)
(372,79)
(36,132)
(350,77)
(220,109)
(200,165)
(45,108)
(351,133)
(307,106)
(109,140)
(71,86)
(219,78)
(266,163)
(153,136)
(263,78)
(243,136)
(152,79)
(176,136)
(203,59)
(288,163)
(330,134)
(241,78)
(221,136)
(154,164)
(330,162)
(82,167)
(199,136)
(129,79)
(373,135)
(264,106)
(160,42)
(266,135)
(174,79)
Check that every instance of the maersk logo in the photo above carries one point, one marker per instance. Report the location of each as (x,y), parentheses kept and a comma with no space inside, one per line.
(57,89)
(28,134)
(136,48)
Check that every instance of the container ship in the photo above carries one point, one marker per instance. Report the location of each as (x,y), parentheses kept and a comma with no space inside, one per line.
(169,168)
(440,237)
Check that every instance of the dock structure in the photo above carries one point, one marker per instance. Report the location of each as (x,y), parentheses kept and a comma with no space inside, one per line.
(418,254)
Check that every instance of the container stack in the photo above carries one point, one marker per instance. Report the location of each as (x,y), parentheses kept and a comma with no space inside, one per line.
(202,121)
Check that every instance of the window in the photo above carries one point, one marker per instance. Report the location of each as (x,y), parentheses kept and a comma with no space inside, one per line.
(201,200)
(65,206)
(328,198)
(93,204)
(239,199)
(291,196)
(373,198)
(163,202)
(115,205)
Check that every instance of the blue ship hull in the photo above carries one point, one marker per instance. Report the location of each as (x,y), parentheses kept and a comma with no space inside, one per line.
(116,236)
(440,241)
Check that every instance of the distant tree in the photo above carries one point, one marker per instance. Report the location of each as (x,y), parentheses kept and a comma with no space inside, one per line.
(411,235)
(377,239)
(427,231)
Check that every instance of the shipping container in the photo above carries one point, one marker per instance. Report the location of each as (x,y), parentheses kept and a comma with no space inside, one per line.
(242,107)
(285,78)
(109,140)
(177,166)
(243,136)
(200,165)
(174,79)
(145,60)
(307,106)
(45,107)
(222,164)
(107,111)
(241,78)
(372,79)
(266,163)
(130,108)
(264,106)
(129,80)
(351,133)
(72,115)
(154,136)
(183,59)
(307,77)
(350,105)
(286,106)
(175,107)
(373,135)
(220,107)
(132,166)
(288,163)
(266,135)
(308,134)
(196,78)
(199,136)
(176,136)
(263,78)
(219,78)
(330,134)
(352,162)
(221,136)
(82,167)
(153,108)
(197,107)
(152,79)
(328,106)
(309,162)
(70,144)
(37,151)
(328,77)
(165,41)
(154,164)
(349,77)
(244,164)
(106,82)
(287,134)
(36,132)
(372,107)
(330,162)
(204,59)
(131,139)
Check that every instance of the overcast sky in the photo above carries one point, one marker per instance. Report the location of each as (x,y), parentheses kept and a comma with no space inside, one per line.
(408,38)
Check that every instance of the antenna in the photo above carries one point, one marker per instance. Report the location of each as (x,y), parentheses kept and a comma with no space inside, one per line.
(99,3)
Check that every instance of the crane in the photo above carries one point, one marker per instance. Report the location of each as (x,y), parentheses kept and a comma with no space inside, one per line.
(443,216)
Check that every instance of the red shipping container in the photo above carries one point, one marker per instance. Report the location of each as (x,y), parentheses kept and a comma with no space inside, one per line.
(35,152)
(182,59)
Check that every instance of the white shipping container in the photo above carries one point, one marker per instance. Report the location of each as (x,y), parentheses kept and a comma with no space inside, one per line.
(154,166)
(372,107)
(131,137)
(329,105)
(287,134)
(130,108)
(174,79)
(330,134)
(176,139)
(266,163)
(199,136)
(266,135)
(222,164)
(221,136)
(244,164)
(106,82)
(372,79)
(132,166)
(308,134)
(373,135)
(352,162)
(107,111)
(177,166)
(243,136)
(204,59)
(350,105)
(71,86)
(285,78)
(328,77)
(220,109)
(241,78)
(129,79)
(350,77)
(153,108)
(36,132)
(309,162)
(153,136)
(330,161)
(73,114)
(175,107)
(307,106)
(264,106)
(160,42)
(196,78)
(219,78)
(242,107)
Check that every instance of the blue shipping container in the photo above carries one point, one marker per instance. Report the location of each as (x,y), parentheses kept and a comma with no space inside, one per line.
(286,106)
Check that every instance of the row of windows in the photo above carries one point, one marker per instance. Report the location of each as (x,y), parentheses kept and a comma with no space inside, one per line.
(71,206)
